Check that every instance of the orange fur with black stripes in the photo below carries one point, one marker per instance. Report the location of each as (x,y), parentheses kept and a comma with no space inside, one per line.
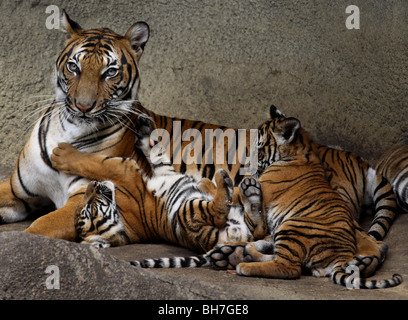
(130,205)
(95,109)
(394,166)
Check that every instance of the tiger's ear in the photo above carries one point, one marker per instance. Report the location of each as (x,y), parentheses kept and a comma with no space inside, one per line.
(138,34)
(286,131)
(70,27)
(275,112)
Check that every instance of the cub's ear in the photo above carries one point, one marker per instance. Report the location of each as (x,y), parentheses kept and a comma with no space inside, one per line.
(286,131)
(138,34)
(275,112)
(70,27)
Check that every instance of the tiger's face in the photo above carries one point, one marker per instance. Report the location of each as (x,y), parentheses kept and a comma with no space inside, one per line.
(275,137)
(97,75)
(97,206)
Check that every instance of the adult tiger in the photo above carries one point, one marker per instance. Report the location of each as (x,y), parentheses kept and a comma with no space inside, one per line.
(394,166)
(96,83)
(310,225)
(131,205)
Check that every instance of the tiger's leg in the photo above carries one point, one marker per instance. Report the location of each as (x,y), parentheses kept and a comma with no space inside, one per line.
(284,263)
(211,215)
(278,268)
(207,186)
(59,223)
(12,209)
(18,198)
(251,197)
(68,159)
(220,206)
(385,204)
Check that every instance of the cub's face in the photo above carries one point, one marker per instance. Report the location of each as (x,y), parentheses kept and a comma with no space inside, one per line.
(276,139)
(96,207)
(97,75)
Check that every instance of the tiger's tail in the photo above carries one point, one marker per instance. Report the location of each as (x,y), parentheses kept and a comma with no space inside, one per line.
(353,281)
(220,257)
(174,262)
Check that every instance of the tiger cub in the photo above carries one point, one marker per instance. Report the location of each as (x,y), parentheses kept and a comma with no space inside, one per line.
(99,222)
(394,166)
(351,177)
(170,206)
(309,224)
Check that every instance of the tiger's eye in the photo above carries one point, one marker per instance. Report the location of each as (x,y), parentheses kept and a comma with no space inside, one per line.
(72,67)
(111,72)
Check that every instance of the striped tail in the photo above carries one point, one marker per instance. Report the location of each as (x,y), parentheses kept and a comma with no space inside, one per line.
(220,257)
(351,281)
(176,262)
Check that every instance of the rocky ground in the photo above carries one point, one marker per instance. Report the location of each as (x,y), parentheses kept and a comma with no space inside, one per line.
(29,266)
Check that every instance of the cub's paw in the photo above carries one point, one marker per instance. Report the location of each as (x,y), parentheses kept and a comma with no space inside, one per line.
(224,182)
(63,156)
(251,196)
(228,256)
(233,233)
(251,191)
(97,242)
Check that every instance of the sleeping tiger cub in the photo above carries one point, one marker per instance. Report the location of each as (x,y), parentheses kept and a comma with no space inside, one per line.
(309,224)
(394,166)
(171,206)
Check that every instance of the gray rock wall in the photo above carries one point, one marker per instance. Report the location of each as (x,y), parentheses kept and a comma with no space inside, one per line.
(225,62)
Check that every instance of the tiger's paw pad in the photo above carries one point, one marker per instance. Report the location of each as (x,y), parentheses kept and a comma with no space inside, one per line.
(226,256)
(223,179)
(252,191)
(143,130)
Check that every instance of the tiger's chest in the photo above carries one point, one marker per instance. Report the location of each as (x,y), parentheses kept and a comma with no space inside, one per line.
(35,167)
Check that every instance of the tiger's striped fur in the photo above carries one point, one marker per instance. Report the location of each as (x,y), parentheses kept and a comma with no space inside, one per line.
(161,206)
(394,166)
(96,107)
(311,226)
(351,177)
(97,218)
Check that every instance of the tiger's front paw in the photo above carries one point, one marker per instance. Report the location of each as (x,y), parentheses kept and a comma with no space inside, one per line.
(143,131)
(97,241)
(64,156)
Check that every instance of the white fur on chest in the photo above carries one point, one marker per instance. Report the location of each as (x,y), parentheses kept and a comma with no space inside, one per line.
(39,178)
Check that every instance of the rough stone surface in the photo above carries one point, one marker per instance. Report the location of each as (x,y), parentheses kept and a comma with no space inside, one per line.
(88,273)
